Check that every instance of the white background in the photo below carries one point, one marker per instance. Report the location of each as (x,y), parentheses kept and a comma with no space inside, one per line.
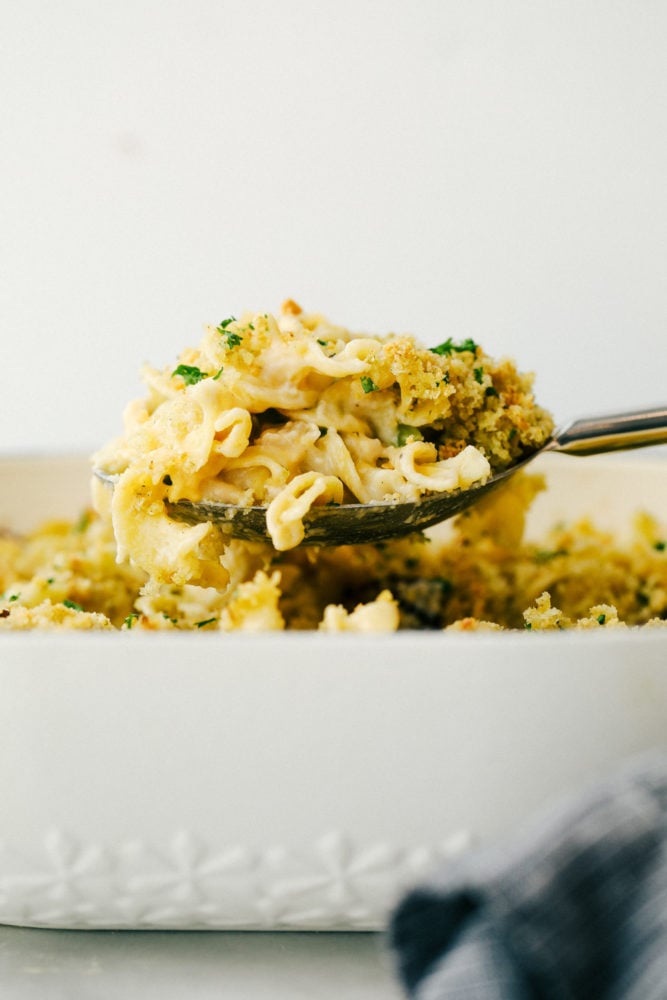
(486,169)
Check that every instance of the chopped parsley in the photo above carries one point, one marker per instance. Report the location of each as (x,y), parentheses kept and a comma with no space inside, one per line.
(322,343)
(546,555)
(490,391)
(190,374)
(82,523)
(207,621)
(130,620)
(660,546)
(527,626)
(72,605)
(405,432)
(14,597)
(233,339)
(367,384)
(479,375)
(448,347)
(217,374)
(602,619)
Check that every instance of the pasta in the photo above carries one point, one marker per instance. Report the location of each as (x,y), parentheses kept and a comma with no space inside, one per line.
(291,411)
(477,574)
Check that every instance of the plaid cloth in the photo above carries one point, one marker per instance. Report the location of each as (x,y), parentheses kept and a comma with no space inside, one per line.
(573,909)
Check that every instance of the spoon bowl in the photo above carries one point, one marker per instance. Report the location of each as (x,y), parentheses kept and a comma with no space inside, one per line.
(358,523)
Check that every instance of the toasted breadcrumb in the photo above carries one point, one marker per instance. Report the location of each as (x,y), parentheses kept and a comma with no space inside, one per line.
(478,575)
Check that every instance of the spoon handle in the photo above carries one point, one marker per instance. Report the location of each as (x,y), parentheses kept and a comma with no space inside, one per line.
(613,432)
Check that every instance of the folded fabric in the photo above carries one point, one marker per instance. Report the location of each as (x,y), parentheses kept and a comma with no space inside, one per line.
(574,908)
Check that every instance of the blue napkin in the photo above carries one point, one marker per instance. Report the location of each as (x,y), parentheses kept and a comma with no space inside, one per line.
(574,908)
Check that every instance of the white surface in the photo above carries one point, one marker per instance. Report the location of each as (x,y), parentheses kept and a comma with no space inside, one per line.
(63,965)
(495,168)
(297,780)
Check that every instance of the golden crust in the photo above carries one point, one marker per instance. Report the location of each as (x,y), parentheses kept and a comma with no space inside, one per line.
(480,576)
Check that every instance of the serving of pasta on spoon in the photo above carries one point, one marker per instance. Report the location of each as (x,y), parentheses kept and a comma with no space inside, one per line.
(292,430)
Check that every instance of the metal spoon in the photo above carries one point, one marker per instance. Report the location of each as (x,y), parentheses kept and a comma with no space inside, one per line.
(356,523)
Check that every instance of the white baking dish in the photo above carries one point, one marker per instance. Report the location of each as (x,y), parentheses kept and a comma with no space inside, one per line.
(296,780)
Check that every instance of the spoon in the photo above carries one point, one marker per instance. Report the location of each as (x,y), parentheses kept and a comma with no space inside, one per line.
(356,523)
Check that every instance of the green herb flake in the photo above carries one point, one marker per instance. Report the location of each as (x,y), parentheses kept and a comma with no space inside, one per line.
(222,326)
(50,580)
(546,555)
(527,626)
(490,391)
(602,619)
(660,546)
(233,339)
(82,523)
(479,375)
(207,621)
(190,374)
(130,620)
(217,374)
(449,347)
(367,384)
(405,432)
(322,343)
(72,605)
(14,597)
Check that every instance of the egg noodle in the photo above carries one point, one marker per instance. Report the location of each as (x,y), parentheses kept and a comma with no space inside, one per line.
(288,412)
(292,411)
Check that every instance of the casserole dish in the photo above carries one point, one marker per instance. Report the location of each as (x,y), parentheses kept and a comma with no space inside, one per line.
(297,780)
